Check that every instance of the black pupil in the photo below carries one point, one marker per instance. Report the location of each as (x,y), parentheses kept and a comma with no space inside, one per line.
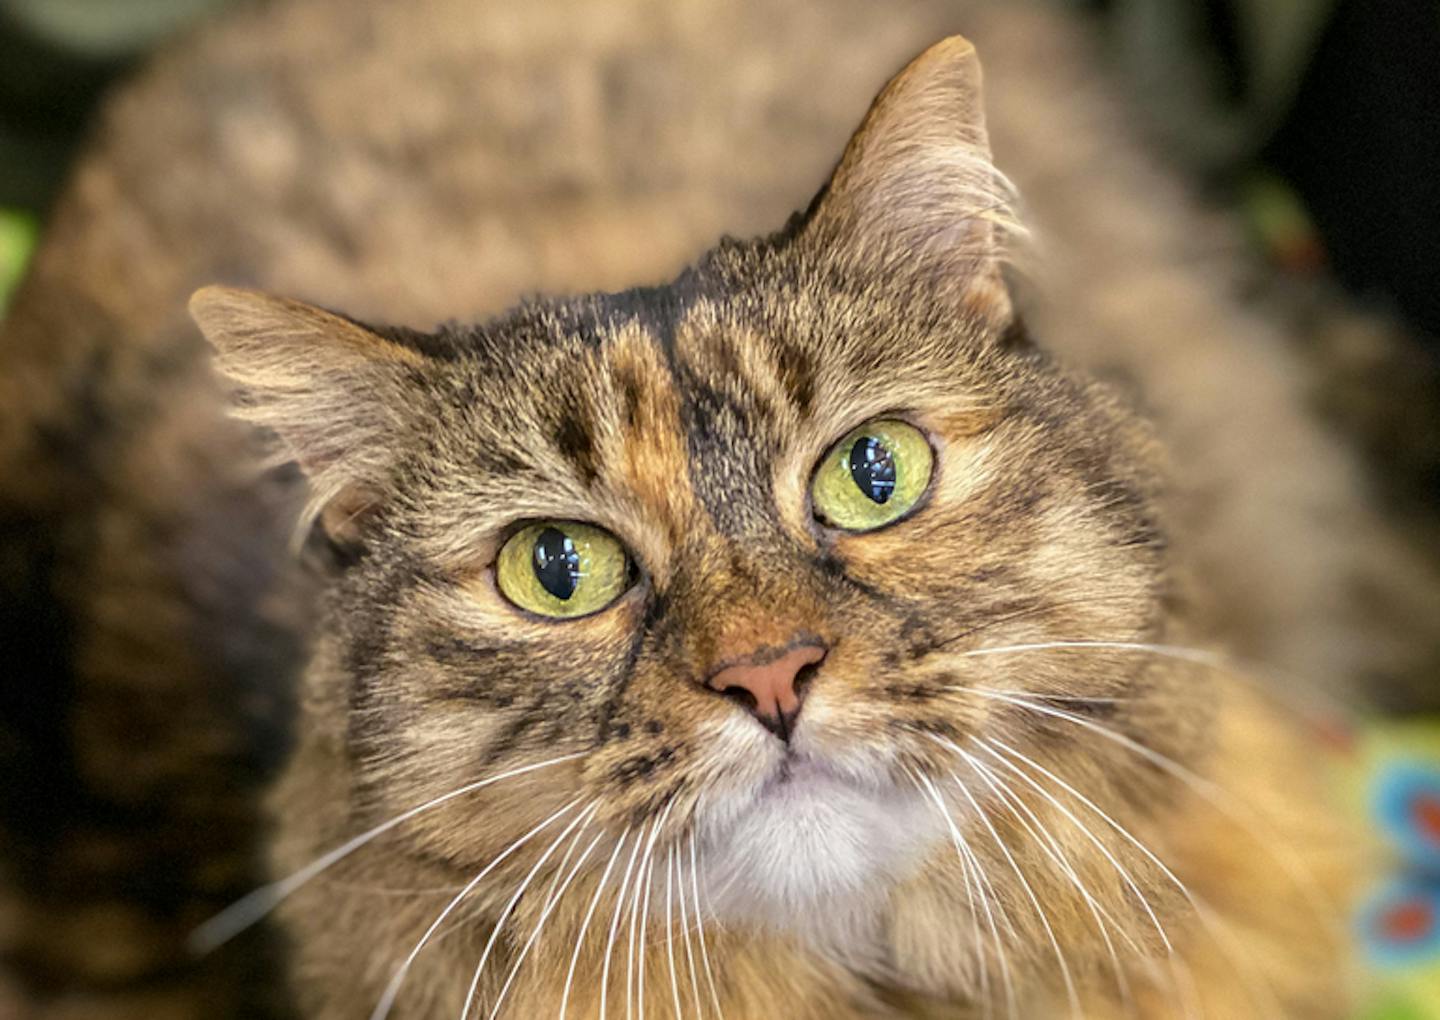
(872,465)
(557,563)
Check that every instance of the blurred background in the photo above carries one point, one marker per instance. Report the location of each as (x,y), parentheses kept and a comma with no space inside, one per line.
(1318,119)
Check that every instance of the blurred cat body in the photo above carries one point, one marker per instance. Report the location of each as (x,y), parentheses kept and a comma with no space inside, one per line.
(1007,792)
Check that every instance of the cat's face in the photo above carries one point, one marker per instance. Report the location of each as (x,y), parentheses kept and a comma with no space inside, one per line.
(825,472)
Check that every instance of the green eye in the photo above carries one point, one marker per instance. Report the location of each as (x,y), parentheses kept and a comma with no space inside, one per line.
(562,569)
(873,476)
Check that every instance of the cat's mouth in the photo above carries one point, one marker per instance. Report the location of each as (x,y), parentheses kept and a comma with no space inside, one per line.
(799,775)
(809,768)
(796,769)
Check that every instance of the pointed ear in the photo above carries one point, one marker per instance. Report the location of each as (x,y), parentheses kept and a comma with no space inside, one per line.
(329,389)
(916,193)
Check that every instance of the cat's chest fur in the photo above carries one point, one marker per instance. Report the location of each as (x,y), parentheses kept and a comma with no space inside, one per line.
(815,856)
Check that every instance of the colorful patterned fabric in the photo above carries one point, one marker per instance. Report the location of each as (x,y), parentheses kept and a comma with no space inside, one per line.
(1399,923)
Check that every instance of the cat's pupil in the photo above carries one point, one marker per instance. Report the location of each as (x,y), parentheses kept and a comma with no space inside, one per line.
(872,465)
(557,563)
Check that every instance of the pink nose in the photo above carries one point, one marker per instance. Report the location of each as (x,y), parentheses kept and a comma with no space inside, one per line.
(770,686)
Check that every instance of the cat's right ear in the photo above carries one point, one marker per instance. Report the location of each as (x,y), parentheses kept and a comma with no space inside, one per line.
(329,389)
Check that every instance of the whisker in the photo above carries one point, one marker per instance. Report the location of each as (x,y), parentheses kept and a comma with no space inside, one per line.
(1085,830)
(1174,960)
(700,925)
(634,920)
(1208,917)
(982,881)
(1241,814)
(1198,656)
(643,928)
(546,911)
(649,867)
(689,939)
(1025,815)
(971,888)
(342,885)
(1037,831)
(615,920)
(1071,994)
(387,1000)
(988,895)
(982,963)
(585,924)
(1266,680)
(505,912)
(253,906)
(1025,614)
(670,927)
(551,893)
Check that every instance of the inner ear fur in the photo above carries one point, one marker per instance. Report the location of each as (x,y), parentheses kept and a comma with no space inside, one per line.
(331,391)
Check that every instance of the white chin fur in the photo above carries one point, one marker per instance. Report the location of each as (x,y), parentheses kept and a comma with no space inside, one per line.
(815,855)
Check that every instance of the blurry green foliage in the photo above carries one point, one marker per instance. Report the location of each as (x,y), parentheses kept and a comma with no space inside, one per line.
(18,232)
(104,27)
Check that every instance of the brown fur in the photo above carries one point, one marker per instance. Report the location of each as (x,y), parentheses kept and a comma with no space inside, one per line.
(685,419)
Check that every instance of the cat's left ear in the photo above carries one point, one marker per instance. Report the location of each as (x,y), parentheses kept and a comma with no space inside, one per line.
(333,392)
(915,195)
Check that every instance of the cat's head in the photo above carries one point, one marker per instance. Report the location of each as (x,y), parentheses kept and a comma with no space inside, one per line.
(749,554)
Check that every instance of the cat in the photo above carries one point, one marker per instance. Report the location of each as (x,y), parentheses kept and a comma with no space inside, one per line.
(808,635)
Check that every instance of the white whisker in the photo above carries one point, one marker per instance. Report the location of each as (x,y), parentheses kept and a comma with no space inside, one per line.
(972,888)
(585,924)
(553,891)
(633,921)
(387,1000)
(1071,994)
(689,939)
(250,908)
(645,909)
(1085,830)
(1198,656)
(1242,815)
(1280,687)
(982,881)
(988,895)
(982,962)
(1175,963)
(549,907)
(615,921)
(700,925)
(505,912)
(670,927)
(1050,846)
(1209,918)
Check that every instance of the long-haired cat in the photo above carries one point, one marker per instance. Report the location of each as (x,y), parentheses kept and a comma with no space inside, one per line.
(803,633)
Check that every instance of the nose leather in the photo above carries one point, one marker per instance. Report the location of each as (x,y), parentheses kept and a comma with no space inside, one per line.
(771,683)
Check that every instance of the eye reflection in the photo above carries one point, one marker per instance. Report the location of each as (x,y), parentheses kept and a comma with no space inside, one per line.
(872,465)
(557,563)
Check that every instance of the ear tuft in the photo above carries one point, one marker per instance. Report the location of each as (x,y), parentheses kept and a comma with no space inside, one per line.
(916,192)
(263,340)
(333,392)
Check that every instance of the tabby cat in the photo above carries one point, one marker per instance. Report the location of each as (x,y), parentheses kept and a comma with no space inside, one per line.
(810,635)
